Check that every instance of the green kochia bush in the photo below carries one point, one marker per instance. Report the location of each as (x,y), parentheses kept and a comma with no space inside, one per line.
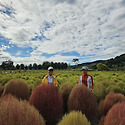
(18,88)
(82,99)
(65,90)
(4,79)
(111,99)
(15,112)
(48,101)
(115,88)
(116,115)
(74,118)
(99,91)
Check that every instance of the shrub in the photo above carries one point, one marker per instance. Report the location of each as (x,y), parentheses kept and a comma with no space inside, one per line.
(116,115)
(82,99)
(114,88)
(1,89)
(122,86)
(4,79)
(15,112)
(101,122)
(102,67)
(111,99)
(48,101)
(65,90)
(18,88)
(74,118)
(99,91)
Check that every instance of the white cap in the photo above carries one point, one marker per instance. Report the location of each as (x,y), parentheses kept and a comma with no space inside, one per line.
(85,68)
(50,68)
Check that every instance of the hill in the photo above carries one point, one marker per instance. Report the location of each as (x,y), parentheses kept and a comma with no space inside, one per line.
(117,63)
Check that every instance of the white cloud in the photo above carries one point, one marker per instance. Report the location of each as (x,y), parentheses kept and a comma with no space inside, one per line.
(87,27)
(18,53)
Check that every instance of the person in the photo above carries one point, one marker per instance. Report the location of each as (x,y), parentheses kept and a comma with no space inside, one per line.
(86,79)
(50,78)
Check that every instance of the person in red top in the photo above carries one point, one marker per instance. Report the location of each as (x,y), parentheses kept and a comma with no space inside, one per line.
(86,79)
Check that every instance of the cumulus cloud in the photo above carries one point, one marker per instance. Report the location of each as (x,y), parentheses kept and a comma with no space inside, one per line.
(54,27)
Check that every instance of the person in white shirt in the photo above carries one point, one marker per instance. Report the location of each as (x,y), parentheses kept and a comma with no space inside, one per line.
(50,78)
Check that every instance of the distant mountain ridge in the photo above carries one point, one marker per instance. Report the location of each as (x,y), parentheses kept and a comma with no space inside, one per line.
(114,63)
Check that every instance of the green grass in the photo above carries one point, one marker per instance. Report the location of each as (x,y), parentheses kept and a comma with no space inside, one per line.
(104,81)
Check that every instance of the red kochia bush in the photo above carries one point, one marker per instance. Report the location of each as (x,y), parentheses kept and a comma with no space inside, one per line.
(18,88)
(82,99)
(65,90)
(15,112)
(101,122)
(111,99)
(48,101)
(116,115)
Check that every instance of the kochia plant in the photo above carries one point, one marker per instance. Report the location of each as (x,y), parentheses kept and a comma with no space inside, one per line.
(18,88)
(48,101)
(15,112)
(82,99)
(74,118)
(65,90)
(111,99)
(101,122)
(116,115)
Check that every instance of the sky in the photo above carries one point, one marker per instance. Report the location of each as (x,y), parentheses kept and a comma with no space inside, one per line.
(34,31)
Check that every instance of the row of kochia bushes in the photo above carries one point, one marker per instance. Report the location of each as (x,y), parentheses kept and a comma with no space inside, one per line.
(67,105)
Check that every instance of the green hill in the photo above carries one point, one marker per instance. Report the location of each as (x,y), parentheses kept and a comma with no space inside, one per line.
(117,63)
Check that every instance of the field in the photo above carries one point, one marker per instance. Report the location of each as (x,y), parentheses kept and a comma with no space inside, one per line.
(112,80)
(104,81)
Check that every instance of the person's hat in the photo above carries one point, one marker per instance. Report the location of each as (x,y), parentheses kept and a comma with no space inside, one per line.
(84,68)
(50,68)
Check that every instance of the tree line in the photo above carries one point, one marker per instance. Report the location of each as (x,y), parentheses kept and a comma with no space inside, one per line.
(9,65)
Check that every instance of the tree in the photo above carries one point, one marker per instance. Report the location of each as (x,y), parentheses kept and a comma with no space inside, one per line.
(46,64)
(30,67)
(52,64)
(22,66)
(58,65)
(35,66)
(17,66)
(75,61)
(39,66)
(26,67)
(102,67)
(3,66)
(65,65)
(55,65)
(62,65)
(7,65)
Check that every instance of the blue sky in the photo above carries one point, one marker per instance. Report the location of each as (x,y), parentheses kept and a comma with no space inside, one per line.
(61,30)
